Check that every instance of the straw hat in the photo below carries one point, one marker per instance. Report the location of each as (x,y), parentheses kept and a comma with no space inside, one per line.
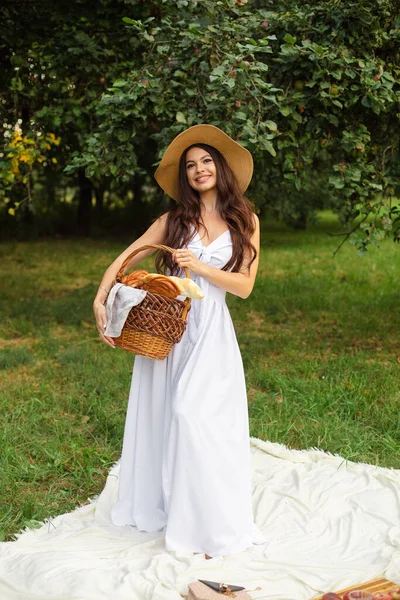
(238,158)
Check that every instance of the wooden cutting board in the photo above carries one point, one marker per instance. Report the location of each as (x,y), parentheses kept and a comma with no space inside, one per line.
(374,586)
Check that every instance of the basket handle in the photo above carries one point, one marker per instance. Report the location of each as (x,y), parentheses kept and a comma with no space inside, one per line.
(122,269)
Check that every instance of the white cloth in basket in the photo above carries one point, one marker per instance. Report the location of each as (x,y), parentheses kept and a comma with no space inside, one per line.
(119,302)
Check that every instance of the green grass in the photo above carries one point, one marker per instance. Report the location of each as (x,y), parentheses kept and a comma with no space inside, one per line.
(319,340)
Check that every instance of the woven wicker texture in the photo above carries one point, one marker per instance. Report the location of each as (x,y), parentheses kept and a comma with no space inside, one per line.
(373,586)
(157,323)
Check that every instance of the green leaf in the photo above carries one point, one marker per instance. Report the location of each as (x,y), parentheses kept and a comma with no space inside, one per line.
(296,117)
(180,117)
(218,71)
(123,135)
(285,111)
(270,148)
(162,49)
(262,66)
(388,76)
(129,21)
(271,125)
(337,182)
(289,39)
(333,119)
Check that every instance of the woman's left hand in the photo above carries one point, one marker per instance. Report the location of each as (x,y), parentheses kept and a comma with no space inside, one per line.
(185,258)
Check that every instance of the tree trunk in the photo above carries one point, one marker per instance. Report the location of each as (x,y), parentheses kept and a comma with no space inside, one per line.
(83,219)
(139,209)
(99,193)
(50,189)
(300,222)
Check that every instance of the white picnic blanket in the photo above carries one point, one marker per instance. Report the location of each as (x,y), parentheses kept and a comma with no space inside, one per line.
(329,524)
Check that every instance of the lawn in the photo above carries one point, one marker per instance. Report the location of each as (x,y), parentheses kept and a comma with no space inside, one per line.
(319,340)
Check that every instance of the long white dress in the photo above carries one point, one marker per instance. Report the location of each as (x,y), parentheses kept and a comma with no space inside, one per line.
(185,464)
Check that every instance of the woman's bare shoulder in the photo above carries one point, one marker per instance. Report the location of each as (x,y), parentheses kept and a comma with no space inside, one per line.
(160,223)
(256,222)
(163,218)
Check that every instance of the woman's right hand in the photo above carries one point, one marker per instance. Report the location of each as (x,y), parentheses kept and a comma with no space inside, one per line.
(101,322)
(156,234)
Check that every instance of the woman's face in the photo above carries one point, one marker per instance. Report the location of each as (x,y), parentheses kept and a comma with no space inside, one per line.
(200,170)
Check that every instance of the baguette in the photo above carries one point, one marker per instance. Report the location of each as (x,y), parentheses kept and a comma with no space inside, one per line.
(188,287)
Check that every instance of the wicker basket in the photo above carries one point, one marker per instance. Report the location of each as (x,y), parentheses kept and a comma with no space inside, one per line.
(373,586)
(157,323)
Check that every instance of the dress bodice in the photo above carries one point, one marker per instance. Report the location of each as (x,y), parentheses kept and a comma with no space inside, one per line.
(216,254)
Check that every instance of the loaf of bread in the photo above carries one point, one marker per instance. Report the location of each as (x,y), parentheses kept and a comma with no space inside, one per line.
(168,286)
(133,278)
(188,287)
(149,276)
(159,284)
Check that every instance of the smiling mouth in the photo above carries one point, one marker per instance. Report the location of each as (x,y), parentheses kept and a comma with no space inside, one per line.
(202,179)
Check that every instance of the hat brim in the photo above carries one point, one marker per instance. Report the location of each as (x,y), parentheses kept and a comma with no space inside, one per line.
(238,158)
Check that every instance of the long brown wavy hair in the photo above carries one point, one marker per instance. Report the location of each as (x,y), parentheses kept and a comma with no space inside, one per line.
(234,208)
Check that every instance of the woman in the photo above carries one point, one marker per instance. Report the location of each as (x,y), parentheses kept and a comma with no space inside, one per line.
(185,464)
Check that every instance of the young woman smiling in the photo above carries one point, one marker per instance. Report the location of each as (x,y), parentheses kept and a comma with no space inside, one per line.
(185,464)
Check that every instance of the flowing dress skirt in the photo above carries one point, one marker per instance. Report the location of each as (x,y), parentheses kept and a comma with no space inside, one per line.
(185,464)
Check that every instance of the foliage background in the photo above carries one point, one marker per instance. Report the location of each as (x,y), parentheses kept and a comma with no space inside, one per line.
(312,89)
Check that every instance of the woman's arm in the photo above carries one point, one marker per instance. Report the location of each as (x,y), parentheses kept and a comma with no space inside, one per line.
(240,284)
(155,234)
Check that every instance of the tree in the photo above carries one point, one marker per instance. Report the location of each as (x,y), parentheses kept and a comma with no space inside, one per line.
(312,89)
(57,63)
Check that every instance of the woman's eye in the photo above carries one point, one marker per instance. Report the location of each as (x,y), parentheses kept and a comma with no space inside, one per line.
(208,160)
